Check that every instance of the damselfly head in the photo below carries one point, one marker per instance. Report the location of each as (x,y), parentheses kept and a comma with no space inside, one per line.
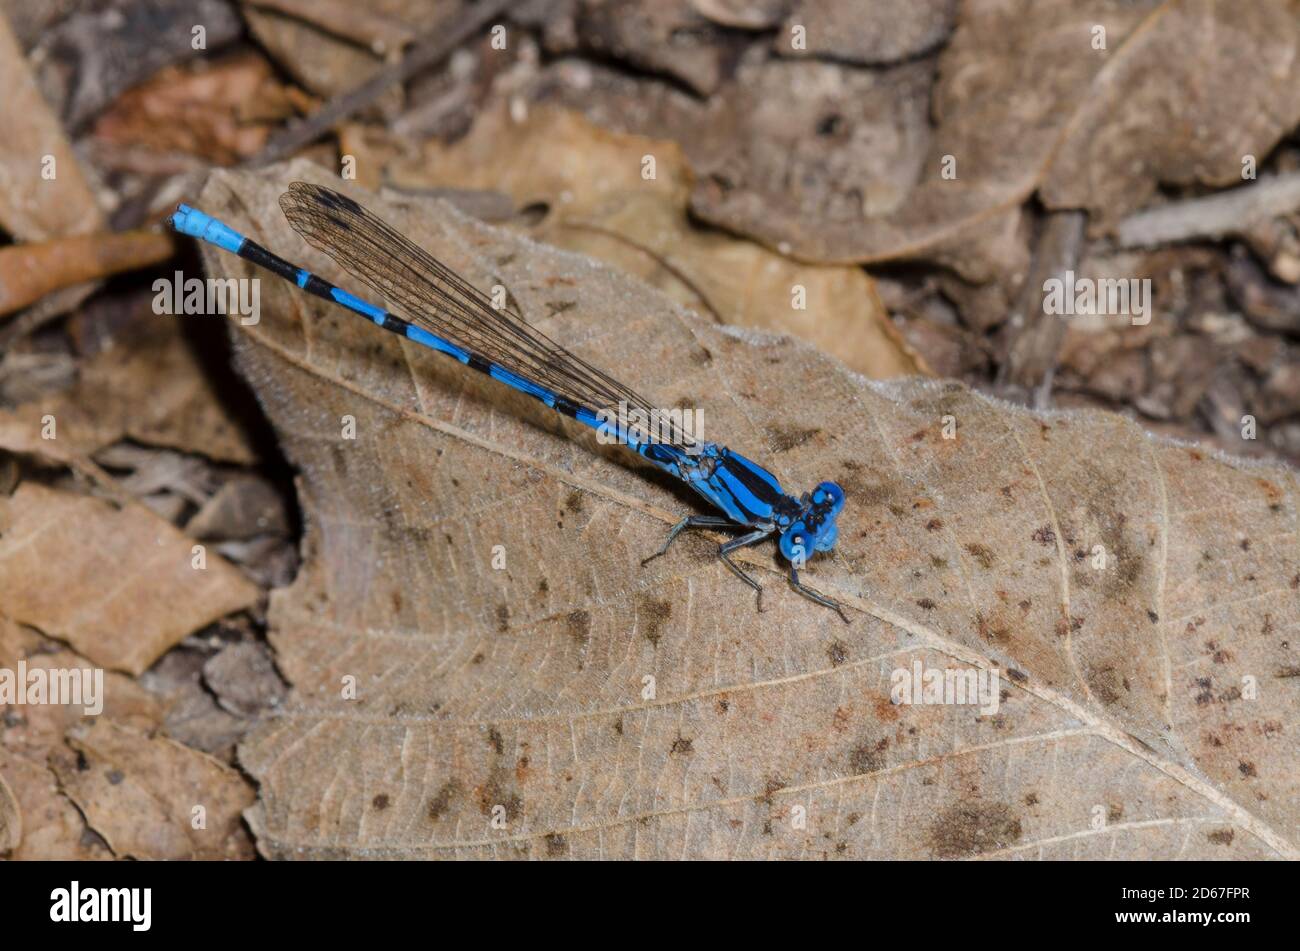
(815,528)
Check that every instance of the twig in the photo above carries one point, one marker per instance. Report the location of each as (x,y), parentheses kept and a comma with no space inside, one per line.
(1214,216)
(29,272)
(1034,337)
(435,47)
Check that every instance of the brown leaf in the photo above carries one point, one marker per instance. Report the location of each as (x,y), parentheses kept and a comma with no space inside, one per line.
(641,105)
(150,387)
(817,198)
(1024,101)
(600,204)
(193,716)
(801,168)
(244,680)
(743,14)
(201,111)
(1197,86)
(118,584)
(245,506)
(90,58)
(36,728)
(31,732)
(316,58)
(801,155)
(32,207)
(146,796)
(382,25)
(52,827)
(519,693)
(11,819)
(884,31)
(667,36)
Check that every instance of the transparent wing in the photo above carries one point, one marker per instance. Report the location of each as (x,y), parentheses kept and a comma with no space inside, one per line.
(427,293)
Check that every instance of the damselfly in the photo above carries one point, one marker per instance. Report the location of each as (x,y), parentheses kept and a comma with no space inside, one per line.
(433,306)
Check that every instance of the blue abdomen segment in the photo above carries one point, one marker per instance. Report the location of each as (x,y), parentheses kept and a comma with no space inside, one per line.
(359,306)
(434,342)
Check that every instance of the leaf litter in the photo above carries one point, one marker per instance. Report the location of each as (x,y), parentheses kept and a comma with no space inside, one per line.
(572,703)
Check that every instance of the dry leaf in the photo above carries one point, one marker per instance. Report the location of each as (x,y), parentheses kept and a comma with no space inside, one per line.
(29,20)
(600,204)
(317,59)
(150,387)
(43,193)
(813,110)
(743,14)
(1024,100)
(193,716)
(245,506)
(200,110)
(118,584)
(520,693)
(90,58)
(884,31)
(667,36)
(385,26)
(1195,88)
(244,680)
(36,728)
(641,105)
(11,819)
(31,733)
(800,154)
(151,798)
(52,827)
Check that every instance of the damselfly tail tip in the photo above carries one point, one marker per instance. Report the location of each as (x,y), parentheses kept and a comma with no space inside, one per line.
(196,224)
(180,218)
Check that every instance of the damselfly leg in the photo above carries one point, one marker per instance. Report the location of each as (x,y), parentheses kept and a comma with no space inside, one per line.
(814,596)
(725,549)
(691,521)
